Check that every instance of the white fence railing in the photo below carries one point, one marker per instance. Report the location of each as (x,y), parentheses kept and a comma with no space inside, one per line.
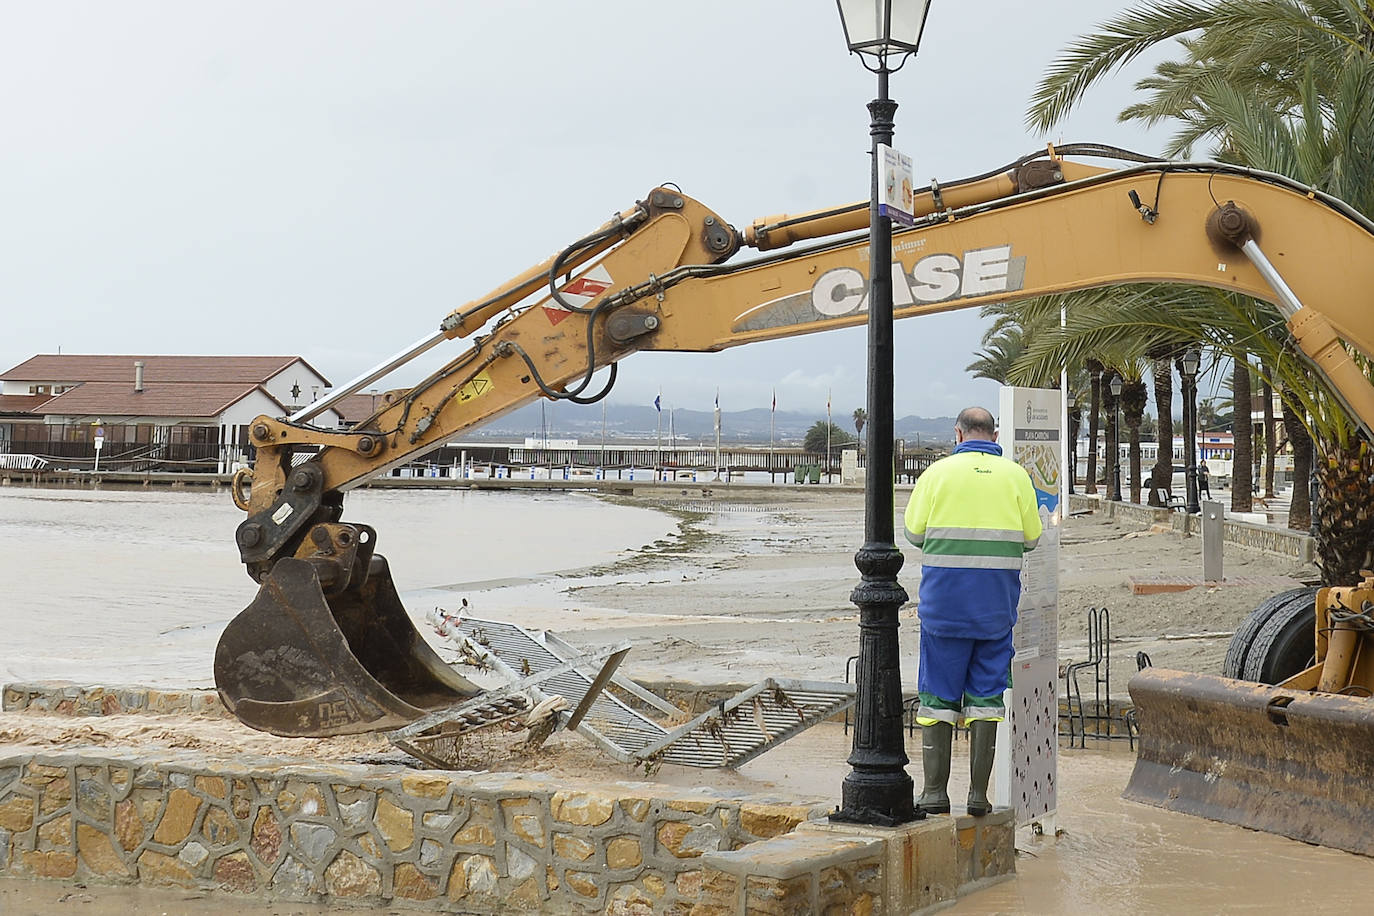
(22,462)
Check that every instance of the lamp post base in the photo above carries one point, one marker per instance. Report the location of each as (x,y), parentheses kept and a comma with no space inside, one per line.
(878,789)
(868,799)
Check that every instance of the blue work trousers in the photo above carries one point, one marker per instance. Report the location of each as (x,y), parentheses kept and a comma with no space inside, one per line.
(963,678)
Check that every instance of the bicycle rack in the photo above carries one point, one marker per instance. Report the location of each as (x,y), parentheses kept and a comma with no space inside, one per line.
(1100,661)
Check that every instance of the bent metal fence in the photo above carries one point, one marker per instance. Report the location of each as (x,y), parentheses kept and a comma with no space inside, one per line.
(22,462)
(205,457)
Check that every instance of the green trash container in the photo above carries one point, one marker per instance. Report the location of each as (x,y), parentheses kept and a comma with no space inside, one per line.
(816,474)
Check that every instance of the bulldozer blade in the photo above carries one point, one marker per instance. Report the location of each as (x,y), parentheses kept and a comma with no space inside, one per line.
(298,664)
(1279,760)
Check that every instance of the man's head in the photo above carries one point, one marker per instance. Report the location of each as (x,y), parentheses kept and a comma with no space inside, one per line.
(975,423)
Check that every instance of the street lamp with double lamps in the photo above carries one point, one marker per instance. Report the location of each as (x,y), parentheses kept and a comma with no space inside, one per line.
(1192,359)
(878,790)
(1116,386)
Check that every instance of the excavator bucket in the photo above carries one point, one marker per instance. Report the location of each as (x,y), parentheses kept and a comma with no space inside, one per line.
(298,664)
(1284,761)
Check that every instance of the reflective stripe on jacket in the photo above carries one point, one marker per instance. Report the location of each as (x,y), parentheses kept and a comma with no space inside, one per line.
(973,515)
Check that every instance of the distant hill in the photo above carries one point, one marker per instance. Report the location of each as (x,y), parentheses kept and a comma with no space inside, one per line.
(633,421)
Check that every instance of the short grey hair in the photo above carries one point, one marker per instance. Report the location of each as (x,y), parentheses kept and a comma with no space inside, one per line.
(976,423)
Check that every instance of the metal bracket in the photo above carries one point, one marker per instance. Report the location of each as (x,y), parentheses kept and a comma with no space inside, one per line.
(267,431)
(262,535)
(627,324)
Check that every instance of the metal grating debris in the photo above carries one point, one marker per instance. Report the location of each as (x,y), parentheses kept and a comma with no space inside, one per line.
(437,737)
(729,734)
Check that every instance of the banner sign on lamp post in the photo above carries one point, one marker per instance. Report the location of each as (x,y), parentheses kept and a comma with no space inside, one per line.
(896,186)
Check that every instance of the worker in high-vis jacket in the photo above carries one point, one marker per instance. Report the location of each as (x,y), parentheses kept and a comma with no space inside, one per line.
(973,514)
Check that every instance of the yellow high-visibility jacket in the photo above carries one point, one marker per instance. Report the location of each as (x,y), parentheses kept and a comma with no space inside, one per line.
(973,515)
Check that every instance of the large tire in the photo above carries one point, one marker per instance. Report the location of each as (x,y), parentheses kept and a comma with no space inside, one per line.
(1239,650)
(1286,644)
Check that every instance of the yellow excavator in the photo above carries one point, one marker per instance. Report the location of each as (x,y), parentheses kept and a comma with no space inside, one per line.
(327,648)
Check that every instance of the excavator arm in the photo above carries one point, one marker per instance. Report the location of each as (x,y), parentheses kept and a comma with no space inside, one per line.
(327,648)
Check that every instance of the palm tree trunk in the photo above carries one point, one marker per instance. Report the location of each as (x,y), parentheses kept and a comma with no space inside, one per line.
(1270,438)
(1300,509)
(1134,397)
(1094,410)
(1242,479)
(1345,513)
(1111,442)
(1161,477)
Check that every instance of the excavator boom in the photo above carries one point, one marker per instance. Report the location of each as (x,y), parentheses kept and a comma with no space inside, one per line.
(327,648)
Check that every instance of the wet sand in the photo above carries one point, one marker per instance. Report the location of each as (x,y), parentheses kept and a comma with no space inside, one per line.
(759,586)
(763,589)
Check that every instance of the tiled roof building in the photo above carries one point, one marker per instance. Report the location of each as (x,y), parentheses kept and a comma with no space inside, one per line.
(187,412)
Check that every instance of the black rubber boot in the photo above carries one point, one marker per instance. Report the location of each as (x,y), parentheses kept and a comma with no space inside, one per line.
(982,743)
(935,751)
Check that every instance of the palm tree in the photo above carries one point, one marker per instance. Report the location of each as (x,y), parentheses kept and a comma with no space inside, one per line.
(1111,439)
(1300,506)
(998,353)
(1162,475)
(1281,38)
(1295,96)
(1210,416)
(1014,325)
(860,419)
(1103,329)
(1134,397)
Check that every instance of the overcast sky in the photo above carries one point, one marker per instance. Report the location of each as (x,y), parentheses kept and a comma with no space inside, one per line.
(331,179)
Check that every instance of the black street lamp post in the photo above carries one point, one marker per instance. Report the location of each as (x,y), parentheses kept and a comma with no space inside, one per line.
(1192,359)
(1116,386)
(878,789)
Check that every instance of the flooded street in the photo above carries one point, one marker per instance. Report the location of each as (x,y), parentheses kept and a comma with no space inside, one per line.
(1116,856)
(134,586)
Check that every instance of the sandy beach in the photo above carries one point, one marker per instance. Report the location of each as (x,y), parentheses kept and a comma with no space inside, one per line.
(757,584)
(761,587)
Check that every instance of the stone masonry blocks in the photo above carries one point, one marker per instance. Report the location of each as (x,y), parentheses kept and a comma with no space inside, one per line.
(292,830)
(62,698)
(466,842)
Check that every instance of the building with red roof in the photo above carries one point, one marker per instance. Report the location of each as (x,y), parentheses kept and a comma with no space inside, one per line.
(146,412)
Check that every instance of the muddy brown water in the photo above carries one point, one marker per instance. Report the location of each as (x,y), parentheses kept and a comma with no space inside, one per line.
(132,587)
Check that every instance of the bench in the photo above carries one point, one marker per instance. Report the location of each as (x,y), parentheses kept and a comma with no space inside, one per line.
(1169,500)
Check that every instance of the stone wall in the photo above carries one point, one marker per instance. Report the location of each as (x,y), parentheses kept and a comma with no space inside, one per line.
(1133,512)
(842,868)
(1271,539)
(61,698)
(470,842)
(476,842)
(359,834)
(1295,544)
